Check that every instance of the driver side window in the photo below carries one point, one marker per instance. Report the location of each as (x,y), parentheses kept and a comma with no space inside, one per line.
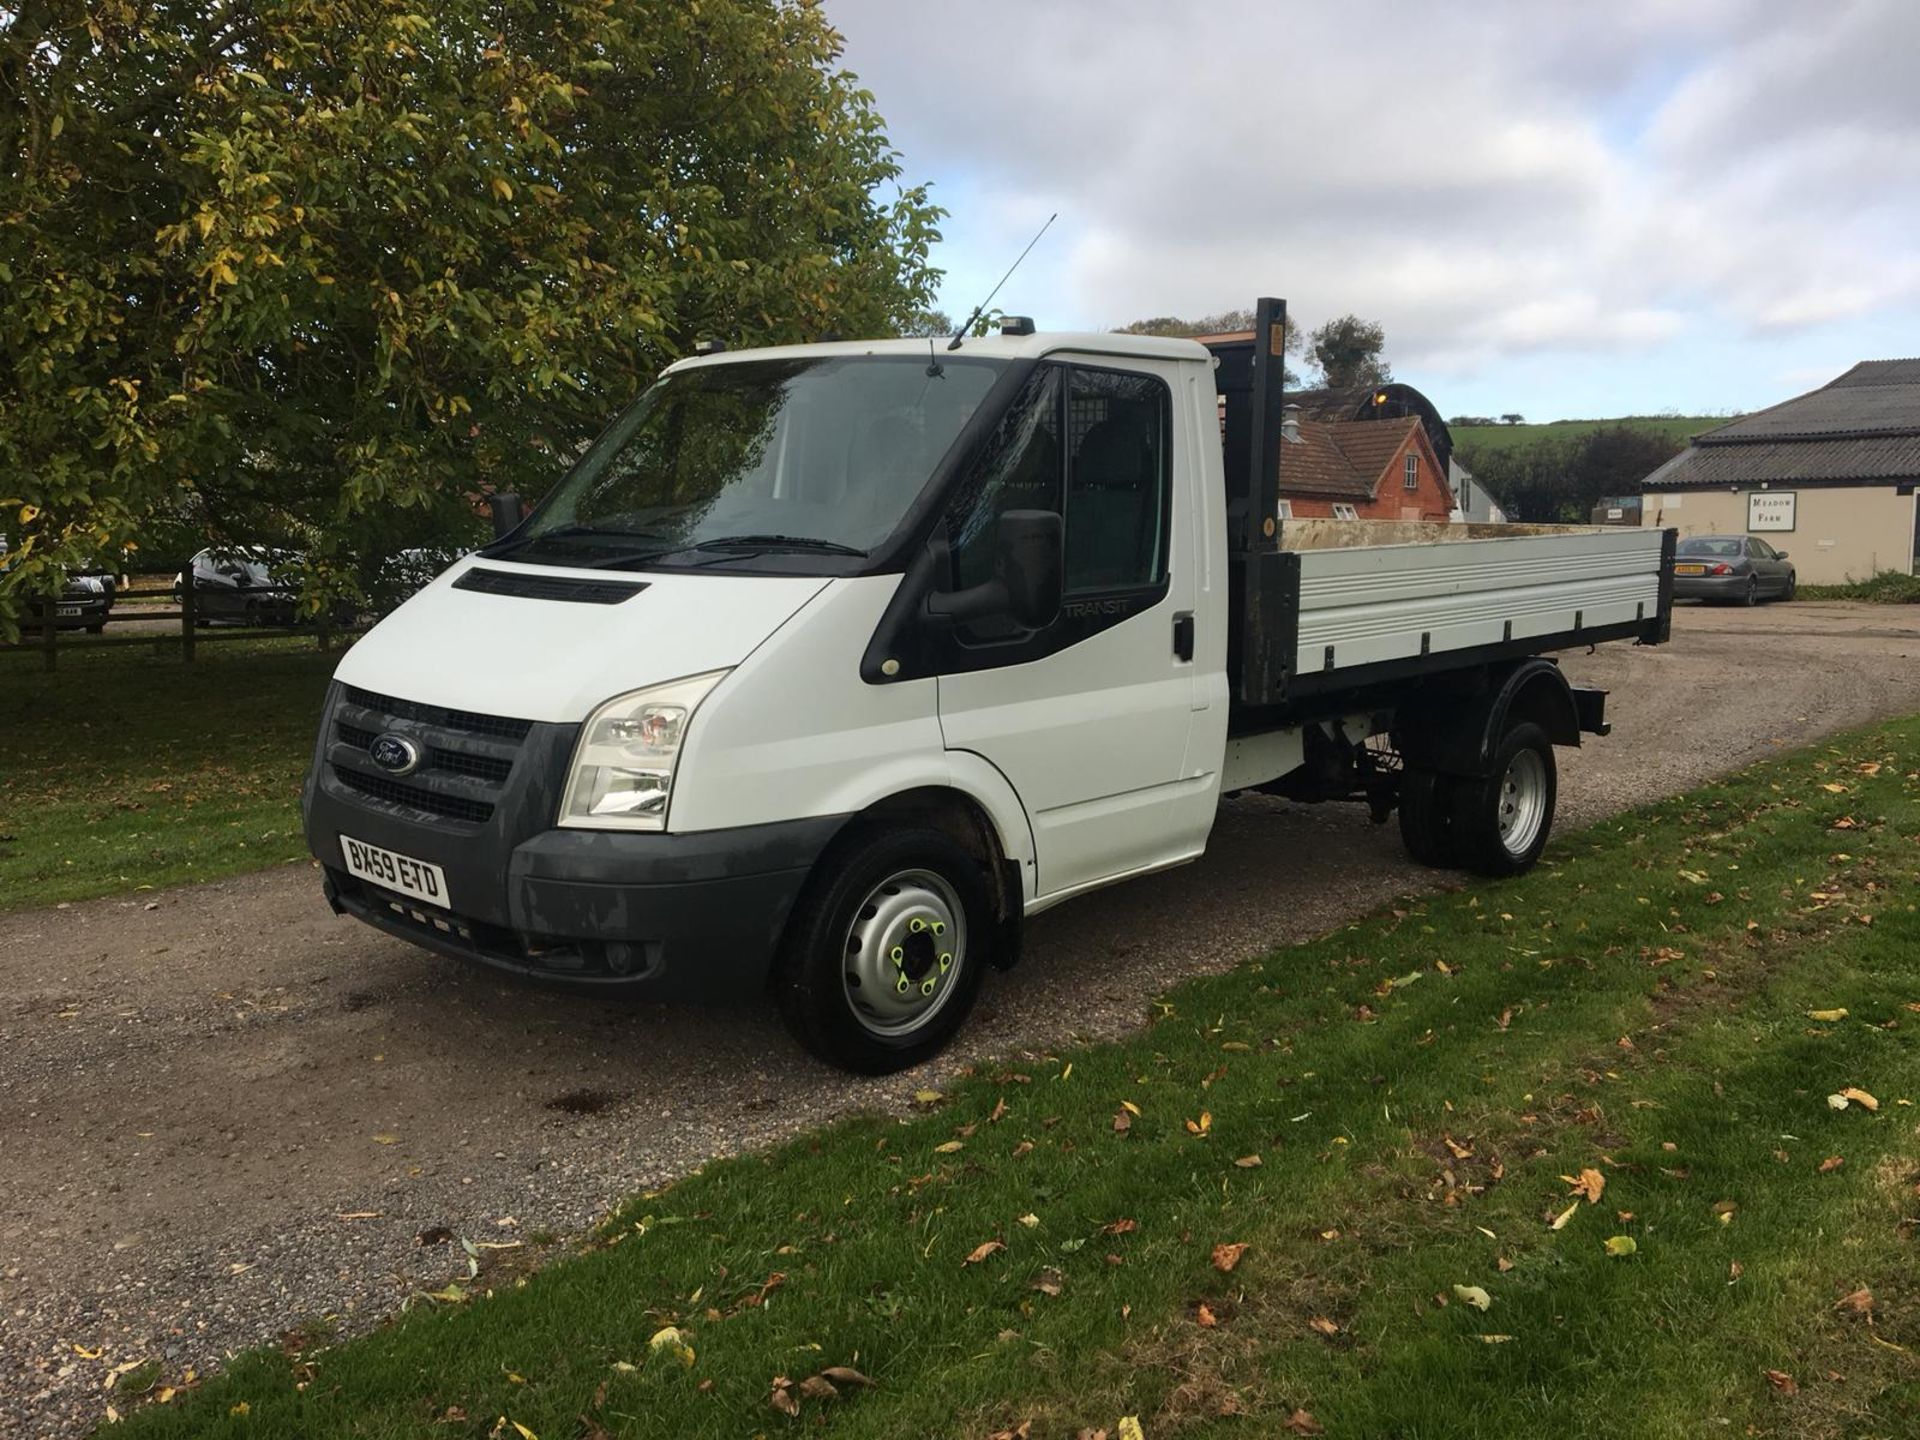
(1090,446)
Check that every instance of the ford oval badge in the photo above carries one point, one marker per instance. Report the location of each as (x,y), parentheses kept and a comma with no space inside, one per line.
(395,754)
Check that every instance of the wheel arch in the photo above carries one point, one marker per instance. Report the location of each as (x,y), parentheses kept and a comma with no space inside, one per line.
(1455,727)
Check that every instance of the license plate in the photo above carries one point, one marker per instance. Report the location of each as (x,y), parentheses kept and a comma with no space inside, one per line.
(63,611)
(396,872)
(1689,569)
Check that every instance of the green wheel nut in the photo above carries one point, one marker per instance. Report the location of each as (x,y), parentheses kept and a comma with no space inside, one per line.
(916,925)
(898,955)
(939,927)
(946,963)
(900,984)
(926,986)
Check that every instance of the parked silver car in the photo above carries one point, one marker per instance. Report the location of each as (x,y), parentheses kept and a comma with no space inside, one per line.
(1736,569)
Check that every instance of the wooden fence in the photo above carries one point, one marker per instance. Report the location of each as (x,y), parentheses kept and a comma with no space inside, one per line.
(42,632)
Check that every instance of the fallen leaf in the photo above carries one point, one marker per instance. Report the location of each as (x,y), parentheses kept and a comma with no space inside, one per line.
(1734,1271)
(1025,1147)
(672,1343)
(1202,1125)
(783,1398)
(1618,1245)
(1029,1221)
(982,1251)
(1827,1017)
(384,1139)
(818,1387)
(1120,1227)
(1782,1382)
(1225,1257)
(1502,1264)
(1834,788)
(1122,1122)
(1590,1183)
(1130,1107)
(1831,1164)
(1248,1162)
(1836,1102)
(1473,1295)
(999,1109)
(1324,1326)
(1456,1149)
(1049,1281)
(1861,1098)
(1300,1422)
(1130,1428)
(948,1147)
(1206,1317)
(1493,1339)
(927,1097)
(1860,1302)
(1560,1220)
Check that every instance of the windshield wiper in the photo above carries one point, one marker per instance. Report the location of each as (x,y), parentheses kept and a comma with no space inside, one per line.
(776,542)
(587,533)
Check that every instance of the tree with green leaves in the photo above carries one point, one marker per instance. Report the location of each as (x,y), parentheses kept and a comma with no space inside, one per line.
(325,272)
(1349,353)
(1223,322)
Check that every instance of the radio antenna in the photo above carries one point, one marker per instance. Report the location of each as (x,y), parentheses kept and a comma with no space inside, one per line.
(981,308)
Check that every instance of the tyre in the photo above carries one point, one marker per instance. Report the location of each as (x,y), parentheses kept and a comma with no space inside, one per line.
(1501,823)
(1793,586)
(1752,597)
(1426,818)
(884,953)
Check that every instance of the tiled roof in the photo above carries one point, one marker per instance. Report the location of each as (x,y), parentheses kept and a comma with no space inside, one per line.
(1878,457)
(1317,466)
(1343,460)
(1875,397)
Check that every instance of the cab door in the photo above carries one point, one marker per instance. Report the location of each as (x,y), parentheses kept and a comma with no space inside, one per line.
(1089,717)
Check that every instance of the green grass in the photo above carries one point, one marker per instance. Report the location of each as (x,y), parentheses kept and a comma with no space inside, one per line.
(1413,1089)
(1889,587)
(1484,438)
(125,768)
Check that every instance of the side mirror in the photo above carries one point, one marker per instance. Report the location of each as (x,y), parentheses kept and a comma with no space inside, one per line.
(1779,554)
(1029,578)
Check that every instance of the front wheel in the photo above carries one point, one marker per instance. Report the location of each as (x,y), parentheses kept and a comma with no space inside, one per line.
(885,951)
(1503,821)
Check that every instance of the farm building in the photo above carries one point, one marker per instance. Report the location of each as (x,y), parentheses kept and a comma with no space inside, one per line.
(1828,476)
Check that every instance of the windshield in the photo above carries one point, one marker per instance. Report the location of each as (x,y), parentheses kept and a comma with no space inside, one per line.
(1716,545)
(803,454)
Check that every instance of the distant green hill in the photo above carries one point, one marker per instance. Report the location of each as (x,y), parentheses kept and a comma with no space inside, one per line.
(1485,438)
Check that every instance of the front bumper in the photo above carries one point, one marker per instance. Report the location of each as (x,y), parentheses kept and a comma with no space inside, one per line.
(1711,587)
(675,916)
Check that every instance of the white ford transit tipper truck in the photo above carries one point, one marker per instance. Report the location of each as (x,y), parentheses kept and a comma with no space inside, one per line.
(827,665)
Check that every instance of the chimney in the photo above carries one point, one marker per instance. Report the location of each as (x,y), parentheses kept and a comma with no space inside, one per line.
(1290,424)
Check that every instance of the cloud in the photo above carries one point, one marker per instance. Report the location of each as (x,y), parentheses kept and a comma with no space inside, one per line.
(1492,183)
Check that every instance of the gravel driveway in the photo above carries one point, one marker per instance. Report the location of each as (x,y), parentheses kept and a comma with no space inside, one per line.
(225,1113)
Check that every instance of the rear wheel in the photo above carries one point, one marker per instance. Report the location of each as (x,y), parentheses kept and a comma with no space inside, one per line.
(1752,597)
(885,952)
(1502,822)
(1426,818)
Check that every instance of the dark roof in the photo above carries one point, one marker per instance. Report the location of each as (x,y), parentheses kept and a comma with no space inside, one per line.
(1875,397)
(1863,426)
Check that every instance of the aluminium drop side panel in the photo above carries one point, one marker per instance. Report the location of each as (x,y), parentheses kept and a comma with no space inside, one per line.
(1370,605)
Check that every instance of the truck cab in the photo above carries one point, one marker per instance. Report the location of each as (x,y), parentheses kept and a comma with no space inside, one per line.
(827,665)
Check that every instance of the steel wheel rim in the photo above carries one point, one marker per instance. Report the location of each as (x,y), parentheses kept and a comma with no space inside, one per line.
(905,951)
(1523,801)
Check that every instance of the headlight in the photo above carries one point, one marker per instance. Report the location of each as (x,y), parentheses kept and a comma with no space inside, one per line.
(622,773)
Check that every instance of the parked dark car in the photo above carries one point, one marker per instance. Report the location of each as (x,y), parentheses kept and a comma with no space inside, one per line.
(83,604)
(1736,569)
(242,584)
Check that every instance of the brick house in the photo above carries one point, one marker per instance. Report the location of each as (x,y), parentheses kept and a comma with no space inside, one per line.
(1361,470)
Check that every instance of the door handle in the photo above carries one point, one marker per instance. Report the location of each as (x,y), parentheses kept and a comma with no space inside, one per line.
(1183,635)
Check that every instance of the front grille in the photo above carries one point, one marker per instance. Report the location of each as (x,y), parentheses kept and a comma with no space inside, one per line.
(451,762)
(467,758)
(398,792)
(467,720)
(549,587)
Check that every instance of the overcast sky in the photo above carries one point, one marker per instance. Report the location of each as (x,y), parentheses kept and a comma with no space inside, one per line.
(1557,209)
